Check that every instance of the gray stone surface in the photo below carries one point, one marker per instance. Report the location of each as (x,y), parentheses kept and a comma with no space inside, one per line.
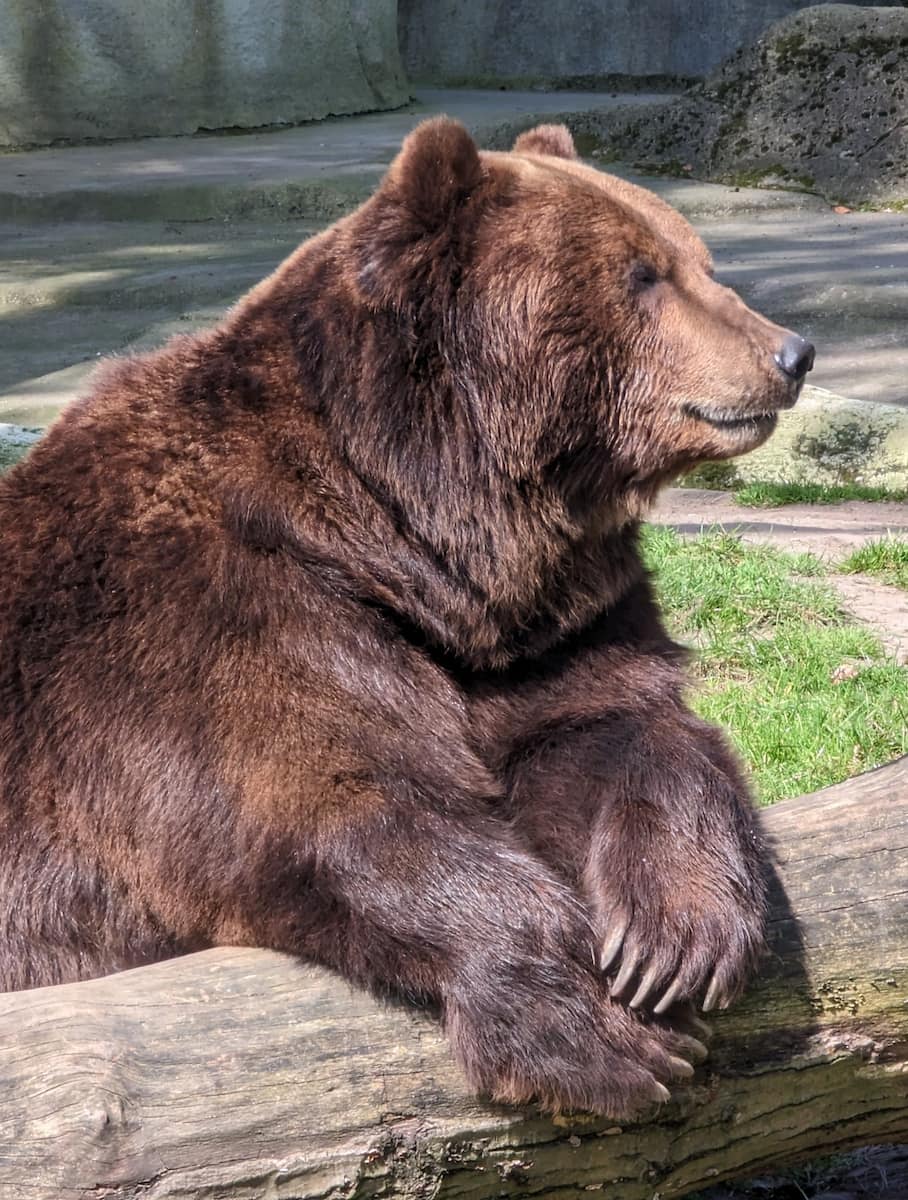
(311,171)
(83,69)
(831,439)
(820,100)
(840,279)
(485,42)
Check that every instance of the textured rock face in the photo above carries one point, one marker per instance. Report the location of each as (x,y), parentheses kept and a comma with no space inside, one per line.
(826,439)
(821,99)
(79,69)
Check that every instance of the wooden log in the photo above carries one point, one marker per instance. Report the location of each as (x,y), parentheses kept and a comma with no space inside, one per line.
(242,1074)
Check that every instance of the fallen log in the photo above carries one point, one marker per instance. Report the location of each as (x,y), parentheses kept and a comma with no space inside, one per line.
(241,1074)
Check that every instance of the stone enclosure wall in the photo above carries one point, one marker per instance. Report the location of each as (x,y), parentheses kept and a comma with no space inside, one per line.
(75,70)
(82,69)
(576,42)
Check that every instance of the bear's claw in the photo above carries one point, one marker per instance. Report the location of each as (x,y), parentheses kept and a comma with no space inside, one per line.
(672,993)
(713,995)
(658,958)
(629,964)
(650,978)
(693,1048)
(681,1068)
(612,947)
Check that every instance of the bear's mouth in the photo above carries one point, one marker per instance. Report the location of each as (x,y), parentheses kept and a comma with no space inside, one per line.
(746,422)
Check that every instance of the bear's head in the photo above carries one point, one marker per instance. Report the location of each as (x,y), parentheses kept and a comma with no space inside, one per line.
(569,320)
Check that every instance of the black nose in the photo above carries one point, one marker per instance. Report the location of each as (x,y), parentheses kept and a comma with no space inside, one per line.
(795,356)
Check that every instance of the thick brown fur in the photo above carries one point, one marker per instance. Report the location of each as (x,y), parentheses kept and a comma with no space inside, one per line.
(327,630)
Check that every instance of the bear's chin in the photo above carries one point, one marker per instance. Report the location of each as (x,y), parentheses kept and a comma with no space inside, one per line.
(737,432)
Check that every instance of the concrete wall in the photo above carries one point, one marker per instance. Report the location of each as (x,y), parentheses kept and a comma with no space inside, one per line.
(77,69)
(584,41)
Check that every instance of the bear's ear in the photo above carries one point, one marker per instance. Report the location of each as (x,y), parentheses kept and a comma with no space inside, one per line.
(412,223)
(437,168)
(547,139)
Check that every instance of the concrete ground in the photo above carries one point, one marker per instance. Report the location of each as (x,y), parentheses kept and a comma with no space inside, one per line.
(73,291)
(109,247)
(840,280)
(312,168)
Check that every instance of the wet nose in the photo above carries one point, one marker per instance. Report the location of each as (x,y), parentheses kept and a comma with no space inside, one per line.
(795,356)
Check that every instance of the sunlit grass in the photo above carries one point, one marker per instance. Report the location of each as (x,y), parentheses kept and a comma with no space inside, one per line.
(774,495)
(886,559)
(807,695)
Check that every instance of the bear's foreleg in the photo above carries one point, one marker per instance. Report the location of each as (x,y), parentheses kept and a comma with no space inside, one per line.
(635,802)
(649,813)
(674,869)
(448,909)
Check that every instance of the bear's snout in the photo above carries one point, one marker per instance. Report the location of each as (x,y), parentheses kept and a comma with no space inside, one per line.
(795,357)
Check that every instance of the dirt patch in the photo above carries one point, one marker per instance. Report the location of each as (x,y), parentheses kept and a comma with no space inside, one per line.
(830,531)
(882,607)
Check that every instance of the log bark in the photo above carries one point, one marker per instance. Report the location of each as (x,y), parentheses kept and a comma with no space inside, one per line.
(241,1074)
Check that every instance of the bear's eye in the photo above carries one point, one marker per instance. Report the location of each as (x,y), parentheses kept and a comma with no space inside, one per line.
(644,275)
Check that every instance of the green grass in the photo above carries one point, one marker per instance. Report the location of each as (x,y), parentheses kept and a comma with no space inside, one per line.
(773,495)
(886,559)
(807,696)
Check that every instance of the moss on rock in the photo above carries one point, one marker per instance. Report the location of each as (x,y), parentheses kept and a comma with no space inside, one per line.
(819,102)
(828,439)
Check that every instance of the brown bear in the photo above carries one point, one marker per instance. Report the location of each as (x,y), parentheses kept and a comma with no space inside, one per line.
(327,630)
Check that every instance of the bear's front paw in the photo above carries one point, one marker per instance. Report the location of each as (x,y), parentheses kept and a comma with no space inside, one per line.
(553,1035)
(677,938)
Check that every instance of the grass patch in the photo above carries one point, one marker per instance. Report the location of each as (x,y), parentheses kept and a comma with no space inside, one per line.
(886,560)
(807,696)
(773,495)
